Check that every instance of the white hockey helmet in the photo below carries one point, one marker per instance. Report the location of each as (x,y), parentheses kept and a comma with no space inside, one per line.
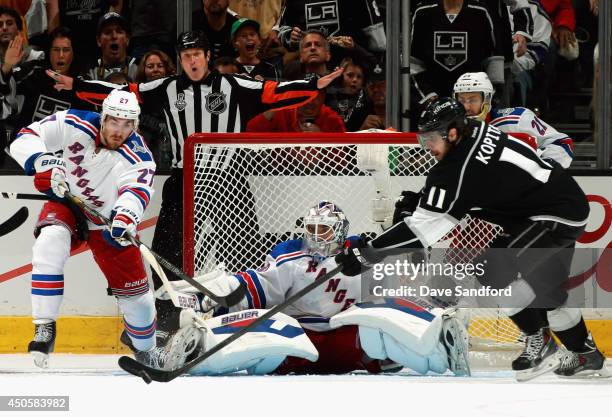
(121,104)
(476,82)
(326,229)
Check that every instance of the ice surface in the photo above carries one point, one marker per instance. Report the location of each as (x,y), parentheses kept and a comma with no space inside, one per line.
(98,387)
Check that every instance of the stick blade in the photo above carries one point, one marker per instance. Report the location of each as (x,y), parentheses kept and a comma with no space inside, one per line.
(148,374)
(14,221)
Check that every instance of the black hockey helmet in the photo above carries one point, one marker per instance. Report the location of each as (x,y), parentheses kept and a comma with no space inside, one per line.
(192,39)
(441,115)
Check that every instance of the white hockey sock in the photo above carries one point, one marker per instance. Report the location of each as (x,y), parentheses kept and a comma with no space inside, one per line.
(49,255)
(139,319)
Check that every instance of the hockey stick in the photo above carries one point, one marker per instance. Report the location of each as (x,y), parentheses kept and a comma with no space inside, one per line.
(23,196)
(226,301)
(14,221)
(149,374)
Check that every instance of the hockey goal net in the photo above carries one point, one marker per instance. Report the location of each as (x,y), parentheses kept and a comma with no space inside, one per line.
(245,193)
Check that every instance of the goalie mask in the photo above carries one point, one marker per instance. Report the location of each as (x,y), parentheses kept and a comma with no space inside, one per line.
(326,228)
(476,82)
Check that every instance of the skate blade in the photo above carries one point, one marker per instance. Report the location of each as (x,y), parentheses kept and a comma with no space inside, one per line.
(590,374)
(549,364)
(40,359)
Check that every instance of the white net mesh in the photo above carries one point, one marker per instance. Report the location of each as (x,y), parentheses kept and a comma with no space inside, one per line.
(248,198)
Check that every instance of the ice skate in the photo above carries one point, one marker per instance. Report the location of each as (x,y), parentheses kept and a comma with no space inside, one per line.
(455,339)
(538,357)
(43,343)
(590,363)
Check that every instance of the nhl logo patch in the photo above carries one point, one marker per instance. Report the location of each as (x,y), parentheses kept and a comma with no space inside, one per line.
(137,148)
(216,103)
(506,112)
(180,102)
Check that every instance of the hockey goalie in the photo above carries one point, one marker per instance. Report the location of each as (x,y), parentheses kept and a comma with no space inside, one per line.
(330,330)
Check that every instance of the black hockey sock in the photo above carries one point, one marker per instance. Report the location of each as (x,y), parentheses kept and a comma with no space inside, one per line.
(575,337)
(529,320)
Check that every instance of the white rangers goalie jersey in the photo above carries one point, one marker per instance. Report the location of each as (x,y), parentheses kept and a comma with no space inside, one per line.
(102,178)
(287,270)
(551,143)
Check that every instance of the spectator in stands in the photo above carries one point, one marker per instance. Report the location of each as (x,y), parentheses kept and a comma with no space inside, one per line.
(359,19)
(266,12)
(313,116)
(216,22)
(348,98)
(13,52)
(449,38)
(81,16)
(564,43)
(525,67)
(506,13)
(247,41)
(314,56)
(28,94)
(154,64)
(113,39)
(152,26)
(13,49)
(377,96)
(225,65)
(564,22)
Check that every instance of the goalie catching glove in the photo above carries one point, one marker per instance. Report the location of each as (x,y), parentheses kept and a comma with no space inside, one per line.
(50,176)
(123,223)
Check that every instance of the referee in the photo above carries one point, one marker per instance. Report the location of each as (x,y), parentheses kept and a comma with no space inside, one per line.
(198,100)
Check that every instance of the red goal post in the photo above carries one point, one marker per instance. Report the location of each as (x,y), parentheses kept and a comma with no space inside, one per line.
(243,193)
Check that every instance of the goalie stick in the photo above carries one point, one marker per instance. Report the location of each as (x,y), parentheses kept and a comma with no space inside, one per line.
(149,374)
(226,301)
(14,221)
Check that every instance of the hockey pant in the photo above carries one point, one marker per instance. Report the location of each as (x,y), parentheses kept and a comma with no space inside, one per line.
(56,234)
(542,253)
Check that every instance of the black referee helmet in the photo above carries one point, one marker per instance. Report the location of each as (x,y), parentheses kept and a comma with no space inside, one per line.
(192,39)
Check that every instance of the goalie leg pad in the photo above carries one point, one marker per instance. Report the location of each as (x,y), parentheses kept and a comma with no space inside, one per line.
(259,351)
(49,255)
(406,333)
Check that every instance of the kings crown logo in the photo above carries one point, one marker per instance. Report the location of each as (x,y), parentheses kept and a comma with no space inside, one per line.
(216,103)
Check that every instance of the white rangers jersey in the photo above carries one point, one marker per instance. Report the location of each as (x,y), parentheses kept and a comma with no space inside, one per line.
(103,178)
(287,270)
(552,144)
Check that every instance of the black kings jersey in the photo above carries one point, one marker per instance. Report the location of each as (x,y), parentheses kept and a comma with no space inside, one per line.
(442,50)
(500,176)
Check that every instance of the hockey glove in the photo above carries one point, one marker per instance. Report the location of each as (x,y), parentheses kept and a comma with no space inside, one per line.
(124,222)
(356,257)
(50,176)
(406,205)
